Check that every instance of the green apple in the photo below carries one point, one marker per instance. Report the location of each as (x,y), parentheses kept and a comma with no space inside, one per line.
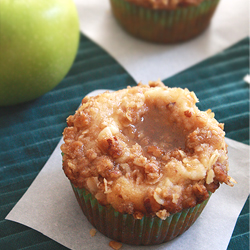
(38,44)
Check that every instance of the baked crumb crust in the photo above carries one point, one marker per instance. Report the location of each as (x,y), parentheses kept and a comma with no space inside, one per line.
(165,4)
(145,150)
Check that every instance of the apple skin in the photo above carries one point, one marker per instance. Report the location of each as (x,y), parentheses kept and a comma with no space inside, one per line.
(38,43)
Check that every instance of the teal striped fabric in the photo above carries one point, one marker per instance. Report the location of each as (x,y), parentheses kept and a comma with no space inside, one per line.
(29,132)
(218,84)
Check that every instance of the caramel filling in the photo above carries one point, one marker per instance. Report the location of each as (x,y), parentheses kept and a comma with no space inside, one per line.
(155,133)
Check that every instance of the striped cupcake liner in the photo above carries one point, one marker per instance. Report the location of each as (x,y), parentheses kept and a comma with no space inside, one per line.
(164,26)
(125,228)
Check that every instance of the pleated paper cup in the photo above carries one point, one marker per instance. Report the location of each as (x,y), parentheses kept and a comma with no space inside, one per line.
(125,228)
(164,26)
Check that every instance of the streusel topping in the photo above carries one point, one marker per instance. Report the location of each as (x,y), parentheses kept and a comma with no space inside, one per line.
(145,150)
(165,4)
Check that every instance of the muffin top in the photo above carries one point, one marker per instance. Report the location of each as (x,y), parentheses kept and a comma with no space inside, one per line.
(165,4)
(145,150)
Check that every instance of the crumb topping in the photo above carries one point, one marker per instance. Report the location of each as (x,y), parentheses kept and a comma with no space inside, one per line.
(92,232)
(165,4)
(146,150)
(115,245)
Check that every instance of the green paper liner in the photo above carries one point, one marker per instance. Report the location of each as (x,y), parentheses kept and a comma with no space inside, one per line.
(164,26)
(125,228)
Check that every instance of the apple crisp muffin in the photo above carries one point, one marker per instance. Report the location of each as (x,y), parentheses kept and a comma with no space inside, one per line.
(145,150)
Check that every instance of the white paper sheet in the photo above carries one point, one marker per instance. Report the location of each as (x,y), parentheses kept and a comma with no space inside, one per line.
(50,207)
(146,61)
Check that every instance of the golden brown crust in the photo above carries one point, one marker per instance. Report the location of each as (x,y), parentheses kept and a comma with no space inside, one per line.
(165,4)
(145,150)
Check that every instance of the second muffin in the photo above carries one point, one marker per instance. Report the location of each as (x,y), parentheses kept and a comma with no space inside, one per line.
(164,21)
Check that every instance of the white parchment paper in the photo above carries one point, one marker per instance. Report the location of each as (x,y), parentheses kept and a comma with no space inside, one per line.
(146,61)
(50,207)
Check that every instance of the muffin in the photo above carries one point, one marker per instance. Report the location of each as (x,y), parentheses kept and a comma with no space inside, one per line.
(143,161)
(164,21)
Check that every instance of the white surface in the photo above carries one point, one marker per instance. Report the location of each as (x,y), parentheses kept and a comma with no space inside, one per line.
(49,206)
(146,61)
